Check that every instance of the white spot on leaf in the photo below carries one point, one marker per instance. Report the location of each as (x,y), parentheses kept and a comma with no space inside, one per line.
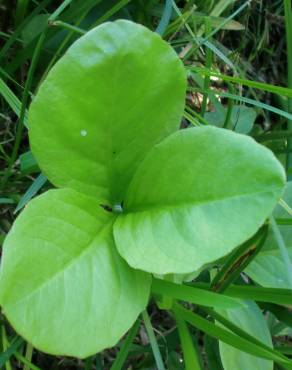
(83,132)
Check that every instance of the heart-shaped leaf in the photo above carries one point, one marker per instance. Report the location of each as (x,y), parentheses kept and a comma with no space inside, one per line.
(196,196)
(115,93)
(63,285)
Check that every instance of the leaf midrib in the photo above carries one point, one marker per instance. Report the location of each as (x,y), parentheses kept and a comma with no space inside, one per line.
(170,207)
(86,249)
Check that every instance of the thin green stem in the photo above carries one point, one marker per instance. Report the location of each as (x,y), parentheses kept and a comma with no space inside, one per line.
(69,27)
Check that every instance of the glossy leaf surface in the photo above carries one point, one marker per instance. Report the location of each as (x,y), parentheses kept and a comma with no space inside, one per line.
(250,319)
(197,195)
(63,285)
(116,92)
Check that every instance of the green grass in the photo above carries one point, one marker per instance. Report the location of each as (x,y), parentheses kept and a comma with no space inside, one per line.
(235,54)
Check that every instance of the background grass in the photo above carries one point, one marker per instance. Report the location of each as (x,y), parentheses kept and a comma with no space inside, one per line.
(236,55)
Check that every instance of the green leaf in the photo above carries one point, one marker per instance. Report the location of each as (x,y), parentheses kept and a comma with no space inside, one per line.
(250,319)
(196,196)
(242,118)
(268,268)
(64,288)
(114,94)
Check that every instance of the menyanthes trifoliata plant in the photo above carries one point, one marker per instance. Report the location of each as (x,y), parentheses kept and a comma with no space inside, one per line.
(135,195)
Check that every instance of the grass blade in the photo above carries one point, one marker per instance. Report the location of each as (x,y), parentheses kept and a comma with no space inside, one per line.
(229,338)
(193,295)
(125,348)
(191,359)
(238,260)
(153,341)
(166,15)
(31,191)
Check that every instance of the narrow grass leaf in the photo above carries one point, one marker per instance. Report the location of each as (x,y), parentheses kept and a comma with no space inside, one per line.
(13,347)
(193,295)
(238,260)
(191,358)
(31,191)
(166,15)
(153,341)
(125,348)
(230,338)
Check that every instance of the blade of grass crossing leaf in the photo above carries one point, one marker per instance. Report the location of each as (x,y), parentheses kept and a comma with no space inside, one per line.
(125,348)
(191,359)
(31,191)
(153,341)
(283,249)
(166,15)
(260,294)
(193,295)
(238,260)
(236,330)
(254,293)
(230,338)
